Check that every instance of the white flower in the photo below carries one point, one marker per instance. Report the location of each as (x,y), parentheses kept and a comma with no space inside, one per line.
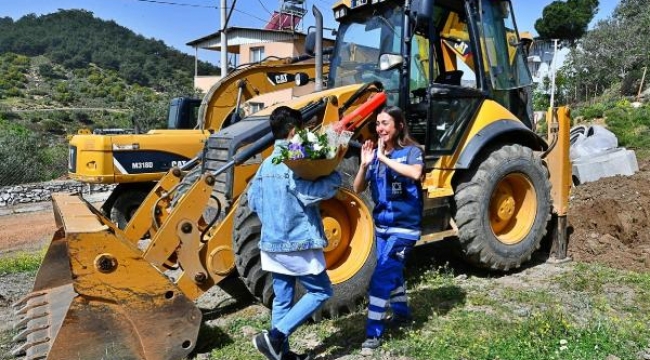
(296,139)
(311,137)
(331,152)
(317,147)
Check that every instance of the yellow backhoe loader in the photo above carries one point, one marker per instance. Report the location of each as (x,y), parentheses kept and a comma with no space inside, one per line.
(491,183)
(136,161)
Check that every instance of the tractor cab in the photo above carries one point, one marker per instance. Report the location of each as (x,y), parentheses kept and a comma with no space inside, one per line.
(437,60)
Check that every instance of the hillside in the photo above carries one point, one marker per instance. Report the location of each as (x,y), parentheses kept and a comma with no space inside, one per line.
(75,38)
(66,70)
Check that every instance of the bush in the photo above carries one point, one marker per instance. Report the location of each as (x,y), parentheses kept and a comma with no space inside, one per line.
(13,92)
(541,101)
(38,92)
(9,115)
(593,111)
(29,157)
(52,126)
(630,126)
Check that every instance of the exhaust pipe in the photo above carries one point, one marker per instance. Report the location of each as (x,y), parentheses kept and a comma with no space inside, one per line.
(319,48)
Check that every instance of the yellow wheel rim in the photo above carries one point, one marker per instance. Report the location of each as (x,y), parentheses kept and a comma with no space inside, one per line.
(513,208)
(350,235)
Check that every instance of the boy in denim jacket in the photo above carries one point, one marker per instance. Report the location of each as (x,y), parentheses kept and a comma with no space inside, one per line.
(292,239)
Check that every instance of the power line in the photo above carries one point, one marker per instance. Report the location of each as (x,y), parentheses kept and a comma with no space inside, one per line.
(179,4)
(200,6)
(264,7)
(251,15)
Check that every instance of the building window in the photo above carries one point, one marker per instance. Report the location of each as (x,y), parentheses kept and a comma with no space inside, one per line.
(254,107)
(257,54)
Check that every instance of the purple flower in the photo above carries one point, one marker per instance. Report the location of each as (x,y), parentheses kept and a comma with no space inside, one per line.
(296,151)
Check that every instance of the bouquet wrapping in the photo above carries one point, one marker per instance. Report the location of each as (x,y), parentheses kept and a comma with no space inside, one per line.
(312,155)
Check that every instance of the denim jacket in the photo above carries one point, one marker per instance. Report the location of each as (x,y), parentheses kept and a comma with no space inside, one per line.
(288,206)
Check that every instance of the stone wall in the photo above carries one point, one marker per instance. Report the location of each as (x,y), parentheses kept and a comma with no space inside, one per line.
(39,192)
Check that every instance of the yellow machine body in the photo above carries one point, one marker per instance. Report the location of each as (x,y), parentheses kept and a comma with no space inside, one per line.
(490,182)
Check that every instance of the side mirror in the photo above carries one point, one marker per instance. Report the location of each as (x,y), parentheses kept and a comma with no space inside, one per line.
(302,79)
(390,61)
(310,44)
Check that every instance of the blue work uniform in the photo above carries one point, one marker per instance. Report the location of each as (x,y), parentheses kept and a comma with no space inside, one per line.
(398,223)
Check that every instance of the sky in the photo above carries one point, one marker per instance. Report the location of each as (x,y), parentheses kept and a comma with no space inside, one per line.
(177,22)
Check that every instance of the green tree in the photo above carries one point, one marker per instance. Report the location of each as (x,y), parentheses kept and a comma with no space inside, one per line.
(26,156)
(614,52)
(566,21)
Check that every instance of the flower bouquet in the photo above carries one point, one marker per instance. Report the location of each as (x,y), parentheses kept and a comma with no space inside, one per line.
(310,155)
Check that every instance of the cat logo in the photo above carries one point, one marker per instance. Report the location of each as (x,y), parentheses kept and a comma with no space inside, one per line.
(276,78)
(461,47)
(179,163)
(281,78)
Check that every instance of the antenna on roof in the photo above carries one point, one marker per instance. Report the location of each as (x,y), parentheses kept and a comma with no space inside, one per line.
(288,17)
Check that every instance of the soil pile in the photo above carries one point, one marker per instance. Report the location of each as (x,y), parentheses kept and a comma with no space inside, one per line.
(610,221)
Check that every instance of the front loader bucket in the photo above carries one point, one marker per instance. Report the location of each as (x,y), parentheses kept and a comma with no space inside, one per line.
(96,298)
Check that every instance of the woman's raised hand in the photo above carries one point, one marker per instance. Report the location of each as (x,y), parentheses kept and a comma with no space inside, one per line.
(367,153)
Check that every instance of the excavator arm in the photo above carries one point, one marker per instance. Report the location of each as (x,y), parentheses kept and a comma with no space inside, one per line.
(229,94)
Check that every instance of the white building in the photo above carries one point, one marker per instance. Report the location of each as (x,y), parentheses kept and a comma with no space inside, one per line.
(541,60)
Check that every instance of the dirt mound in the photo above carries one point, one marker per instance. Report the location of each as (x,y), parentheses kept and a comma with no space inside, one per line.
(610,221)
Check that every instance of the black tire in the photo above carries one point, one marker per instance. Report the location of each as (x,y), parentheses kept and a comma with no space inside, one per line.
(125,206)
(348,168)
(211,211)
(499,225)
(348,292)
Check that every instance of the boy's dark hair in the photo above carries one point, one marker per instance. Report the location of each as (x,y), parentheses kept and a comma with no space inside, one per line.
(283,119)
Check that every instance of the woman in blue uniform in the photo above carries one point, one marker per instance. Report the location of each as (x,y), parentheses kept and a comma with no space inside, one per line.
(393,171)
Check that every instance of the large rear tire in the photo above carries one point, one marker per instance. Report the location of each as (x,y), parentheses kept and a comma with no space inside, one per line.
(350,255)
(502,208)
(125,206)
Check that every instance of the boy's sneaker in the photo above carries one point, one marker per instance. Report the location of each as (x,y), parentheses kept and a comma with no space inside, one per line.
(290,355)
(269,348)
(368,347)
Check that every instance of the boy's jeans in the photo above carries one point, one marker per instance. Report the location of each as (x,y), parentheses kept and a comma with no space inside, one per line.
(286,316)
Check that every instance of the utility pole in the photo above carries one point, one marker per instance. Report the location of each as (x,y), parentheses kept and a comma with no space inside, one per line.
(553,73)
(638,96)
(224,40)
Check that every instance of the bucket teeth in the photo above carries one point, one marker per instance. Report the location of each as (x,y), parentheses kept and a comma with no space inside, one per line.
(22,301)
(33,325)
(30,303)
(22,323)
(35,329)
(38,352)
(28,349)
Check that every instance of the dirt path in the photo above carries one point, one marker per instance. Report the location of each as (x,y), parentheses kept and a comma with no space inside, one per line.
(26,231)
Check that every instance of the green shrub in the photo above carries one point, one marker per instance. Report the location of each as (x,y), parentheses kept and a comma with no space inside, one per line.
(593,111)
(52,126)
(13,92)
(29,156)
(630,126)
(21,262)
(541,101)
(38,92)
